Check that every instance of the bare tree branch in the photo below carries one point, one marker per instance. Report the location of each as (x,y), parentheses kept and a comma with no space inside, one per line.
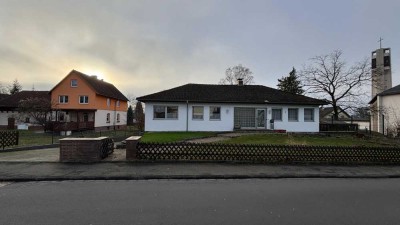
(328,76)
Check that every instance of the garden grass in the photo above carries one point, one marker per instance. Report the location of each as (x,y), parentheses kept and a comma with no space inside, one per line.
(166,137)
(319,140)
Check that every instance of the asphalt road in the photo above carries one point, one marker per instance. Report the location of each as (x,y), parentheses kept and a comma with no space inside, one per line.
(252,201)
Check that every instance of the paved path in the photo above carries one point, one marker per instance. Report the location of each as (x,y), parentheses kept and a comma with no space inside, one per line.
(25,171)
(44,165)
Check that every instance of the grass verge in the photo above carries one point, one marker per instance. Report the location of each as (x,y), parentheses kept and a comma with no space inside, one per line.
(164,137)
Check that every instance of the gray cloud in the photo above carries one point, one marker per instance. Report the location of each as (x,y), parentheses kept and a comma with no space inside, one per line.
(148,46)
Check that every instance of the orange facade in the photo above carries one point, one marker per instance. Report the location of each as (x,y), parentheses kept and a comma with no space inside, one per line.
(77,90)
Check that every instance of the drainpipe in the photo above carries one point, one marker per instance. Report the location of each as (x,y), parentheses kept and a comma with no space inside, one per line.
(115,112)
(187,115)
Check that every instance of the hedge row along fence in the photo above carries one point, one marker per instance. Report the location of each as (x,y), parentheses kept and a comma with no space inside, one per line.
(267,153)
(9,138)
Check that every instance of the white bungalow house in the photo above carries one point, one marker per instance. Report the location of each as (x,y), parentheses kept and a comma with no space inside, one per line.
(205,107)
(385,111)
(11,118)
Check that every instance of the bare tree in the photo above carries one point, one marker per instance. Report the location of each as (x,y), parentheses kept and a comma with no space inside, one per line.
(3,89)
(232,74)
(328,77)
(37,108)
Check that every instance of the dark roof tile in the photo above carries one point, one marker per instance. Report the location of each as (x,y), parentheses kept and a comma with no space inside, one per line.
(256,94)
(12,101)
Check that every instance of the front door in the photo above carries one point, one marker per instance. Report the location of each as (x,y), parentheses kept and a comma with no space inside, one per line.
(260,118)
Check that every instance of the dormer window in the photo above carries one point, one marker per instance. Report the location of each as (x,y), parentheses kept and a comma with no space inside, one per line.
(74,83)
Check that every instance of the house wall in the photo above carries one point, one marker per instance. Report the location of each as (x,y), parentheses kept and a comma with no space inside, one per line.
(73,93)
(101,119)
(226,123)
(96,102)
(295,126)
(390,108)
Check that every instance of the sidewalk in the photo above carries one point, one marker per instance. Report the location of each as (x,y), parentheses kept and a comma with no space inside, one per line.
(43,165)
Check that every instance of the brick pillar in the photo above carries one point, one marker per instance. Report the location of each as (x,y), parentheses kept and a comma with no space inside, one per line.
(131,147)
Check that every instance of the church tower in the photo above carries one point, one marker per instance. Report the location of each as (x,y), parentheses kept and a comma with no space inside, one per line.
(381,70)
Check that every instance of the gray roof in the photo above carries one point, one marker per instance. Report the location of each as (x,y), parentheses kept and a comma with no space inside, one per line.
(212,93)
(391,91)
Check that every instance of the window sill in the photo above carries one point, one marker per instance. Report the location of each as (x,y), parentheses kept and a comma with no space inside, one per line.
(215,119)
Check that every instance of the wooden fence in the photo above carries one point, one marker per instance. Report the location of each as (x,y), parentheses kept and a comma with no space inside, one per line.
(9,138)
(268,153)
(323,127)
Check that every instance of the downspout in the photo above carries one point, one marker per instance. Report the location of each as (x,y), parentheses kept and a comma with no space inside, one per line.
(115,112)
(187,115)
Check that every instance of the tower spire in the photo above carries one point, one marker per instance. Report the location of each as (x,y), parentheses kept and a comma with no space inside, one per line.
(380,42)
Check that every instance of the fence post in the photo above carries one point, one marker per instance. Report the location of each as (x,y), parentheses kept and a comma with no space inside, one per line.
(131,147)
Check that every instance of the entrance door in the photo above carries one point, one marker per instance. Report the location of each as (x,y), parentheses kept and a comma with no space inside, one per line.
(260,118)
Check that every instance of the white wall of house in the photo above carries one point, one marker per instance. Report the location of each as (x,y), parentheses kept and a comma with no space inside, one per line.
(20,118)
(389,106)
(295,126)
(101,118)
(4,115)
(226,123)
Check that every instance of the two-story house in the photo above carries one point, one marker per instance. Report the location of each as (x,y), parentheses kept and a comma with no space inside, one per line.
(84,102)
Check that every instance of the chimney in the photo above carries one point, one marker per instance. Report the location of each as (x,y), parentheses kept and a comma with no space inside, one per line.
(94,76)
(240,81)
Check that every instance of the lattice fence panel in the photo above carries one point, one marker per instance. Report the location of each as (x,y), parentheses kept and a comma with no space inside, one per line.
(9,138)
(267,153)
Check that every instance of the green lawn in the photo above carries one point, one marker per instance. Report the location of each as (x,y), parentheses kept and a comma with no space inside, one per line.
(164,137)
(285,139)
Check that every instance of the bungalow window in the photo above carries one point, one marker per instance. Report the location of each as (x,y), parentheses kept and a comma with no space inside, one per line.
(293,114)
(277,114)
(108,118)
(74,83)
(84,99)
(63,99)
(215,113)
(198,113)
(309,114)
(165,112)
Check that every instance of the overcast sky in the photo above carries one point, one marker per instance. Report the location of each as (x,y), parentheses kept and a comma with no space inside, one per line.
(148,46)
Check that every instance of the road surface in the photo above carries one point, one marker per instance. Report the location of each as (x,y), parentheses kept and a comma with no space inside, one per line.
(250,201)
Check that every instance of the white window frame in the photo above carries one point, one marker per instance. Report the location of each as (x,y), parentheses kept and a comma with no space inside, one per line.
(201,116)
(85,99)
(74,83)
(312,115)
(297,115)
(63,99)
(272,114)
(166,115)
(211,112)
(108,102)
